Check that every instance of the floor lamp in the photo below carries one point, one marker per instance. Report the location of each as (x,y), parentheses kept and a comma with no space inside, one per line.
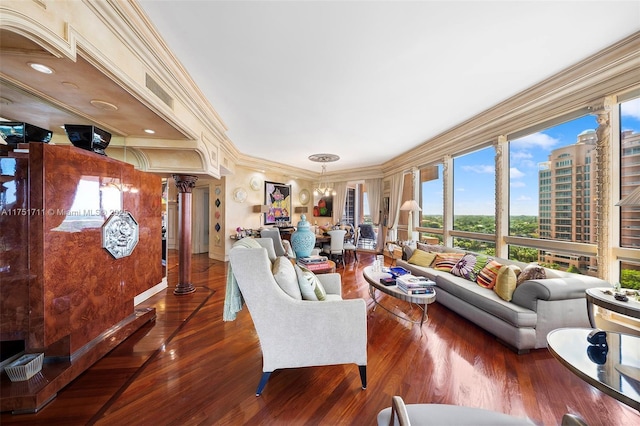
(411,206)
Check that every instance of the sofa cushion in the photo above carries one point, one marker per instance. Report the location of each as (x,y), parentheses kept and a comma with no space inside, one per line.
(465,266)
(310,286)
(446,261)
(506,281)
(486,300)
(533,271)
(422,258)
(488,275)
(286,277)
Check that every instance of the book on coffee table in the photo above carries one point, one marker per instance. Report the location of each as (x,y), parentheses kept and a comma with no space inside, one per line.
(412,281)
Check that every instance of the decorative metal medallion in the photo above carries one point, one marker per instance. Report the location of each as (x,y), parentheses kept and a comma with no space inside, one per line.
(120,234)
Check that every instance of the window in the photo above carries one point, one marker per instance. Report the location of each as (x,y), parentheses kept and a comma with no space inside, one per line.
(432,197)
(474,185)
(629,171)
(549,182)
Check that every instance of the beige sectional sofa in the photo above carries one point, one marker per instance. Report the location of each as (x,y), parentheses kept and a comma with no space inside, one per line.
(522,306)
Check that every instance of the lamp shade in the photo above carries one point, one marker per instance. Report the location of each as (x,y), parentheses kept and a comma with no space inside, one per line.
(410,206)
(632,199)
(260,209)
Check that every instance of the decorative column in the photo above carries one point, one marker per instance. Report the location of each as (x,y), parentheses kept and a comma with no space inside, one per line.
(603,188)
(502,195)
(184,183)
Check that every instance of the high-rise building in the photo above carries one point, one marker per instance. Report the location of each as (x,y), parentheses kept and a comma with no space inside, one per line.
(565,183)
(629,180)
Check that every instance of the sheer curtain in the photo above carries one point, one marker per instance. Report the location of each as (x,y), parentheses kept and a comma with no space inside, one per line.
(374,193)
(339,201)
(395,199)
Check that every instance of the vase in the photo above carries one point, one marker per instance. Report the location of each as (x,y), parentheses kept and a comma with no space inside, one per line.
(303,240)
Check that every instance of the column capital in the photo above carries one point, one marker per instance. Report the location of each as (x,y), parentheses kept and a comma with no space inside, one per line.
(185,183)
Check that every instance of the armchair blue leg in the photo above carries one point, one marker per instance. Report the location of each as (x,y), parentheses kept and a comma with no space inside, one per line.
(263,382)
(363,375)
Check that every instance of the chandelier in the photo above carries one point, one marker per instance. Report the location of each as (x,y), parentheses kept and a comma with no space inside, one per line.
(324,188)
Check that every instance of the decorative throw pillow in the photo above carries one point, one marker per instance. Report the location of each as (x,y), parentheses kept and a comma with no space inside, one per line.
(488,275)
(422,258)
(506,281)
(286,277)
(532,271)
(446,261)
(310,286)
(407,252)
(465,266)
(481,262)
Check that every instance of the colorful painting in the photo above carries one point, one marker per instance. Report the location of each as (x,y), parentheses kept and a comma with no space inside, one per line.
(278,197)
(324,207)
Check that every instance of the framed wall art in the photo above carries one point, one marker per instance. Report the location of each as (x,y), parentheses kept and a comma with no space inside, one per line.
(278,197)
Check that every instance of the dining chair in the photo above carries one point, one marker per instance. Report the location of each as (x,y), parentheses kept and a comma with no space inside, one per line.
(367,236)
(335,249)
(282,247)
(351,244)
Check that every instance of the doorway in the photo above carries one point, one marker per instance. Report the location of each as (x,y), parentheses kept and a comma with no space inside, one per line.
(200,220)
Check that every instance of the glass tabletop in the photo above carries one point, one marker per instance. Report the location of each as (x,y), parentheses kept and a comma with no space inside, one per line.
(613,368)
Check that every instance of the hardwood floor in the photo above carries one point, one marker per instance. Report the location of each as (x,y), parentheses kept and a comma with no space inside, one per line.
(191,368)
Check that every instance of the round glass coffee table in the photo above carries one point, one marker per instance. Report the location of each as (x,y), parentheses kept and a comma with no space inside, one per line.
(613,368)
(421,300)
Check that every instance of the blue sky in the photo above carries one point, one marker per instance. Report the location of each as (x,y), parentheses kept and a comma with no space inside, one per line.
(474,173)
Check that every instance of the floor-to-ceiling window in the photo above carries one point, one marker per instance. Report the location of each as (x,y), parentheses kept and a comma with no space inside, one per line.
(474,202)
(432,202)
(629,182)
(551,176)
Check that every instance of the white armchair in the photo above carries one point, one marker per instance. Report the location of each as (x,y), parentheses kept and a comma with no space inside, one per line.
(299,333)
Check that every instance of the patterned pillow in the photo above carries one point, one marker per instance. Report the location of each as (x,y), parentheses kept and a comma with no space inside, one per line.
(464,267)
(532,271)
(506,282)
(422,258)
(481,262)
(446,261)
(488,275)
(286,277)
(310,286)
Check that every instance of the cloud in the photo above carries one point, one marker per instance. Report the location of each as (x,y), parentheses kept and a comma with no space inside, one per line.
(631,109)
(517,184)
(535,140)
(514,173)
(519,155)
(523,198)
(480,168)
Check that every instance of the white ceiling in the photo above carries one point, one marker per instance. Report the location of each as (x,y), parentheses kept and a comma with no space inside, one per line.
(370,80)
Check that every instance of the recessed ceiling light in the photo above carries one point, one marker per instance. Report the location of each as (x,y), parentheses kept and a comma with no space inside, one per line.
(106,106)
(5,101)
(41,68)
(69,84)
(151,132)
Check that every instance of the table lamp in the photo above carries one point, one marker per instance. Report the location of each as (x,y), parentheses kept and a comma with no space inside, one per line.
(411,206)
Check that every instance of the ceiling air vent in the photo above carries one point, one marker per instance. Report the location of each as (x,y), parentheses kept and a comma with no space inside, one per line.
(158,91)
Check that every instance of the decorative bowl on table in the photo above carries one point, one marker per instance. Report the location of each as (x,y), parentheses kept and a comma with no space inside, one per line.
(396,271)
